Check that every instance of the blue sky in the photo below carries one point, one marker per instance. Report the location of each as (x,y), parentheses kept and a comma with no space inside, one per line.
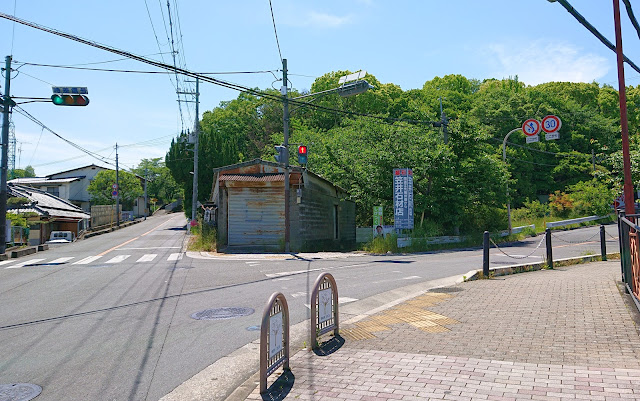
(402,42)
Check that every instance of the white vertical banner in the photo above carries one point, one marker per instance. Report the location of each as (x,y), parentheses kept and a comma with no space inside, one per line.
(403,198)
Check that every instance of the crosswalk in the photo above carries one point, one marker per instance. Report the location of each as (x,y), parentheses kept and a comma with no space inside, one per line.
(89,260)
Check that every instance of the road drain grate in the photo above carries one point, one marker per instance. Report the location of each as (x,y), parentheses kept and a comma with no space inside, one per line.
(222,313)
(19,391)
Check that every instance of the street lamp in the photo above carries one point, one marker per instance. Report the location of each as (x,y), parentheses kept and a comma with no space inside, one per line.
(504,159)
(348,88)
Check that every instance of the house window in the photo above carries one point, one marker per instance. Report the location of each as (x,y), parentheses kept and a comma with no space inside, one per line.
(55,191)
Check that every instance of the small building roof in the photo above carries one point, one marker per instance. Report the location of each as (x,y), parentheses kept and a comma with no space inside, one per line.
(44,203)
(79,168)
(43,180)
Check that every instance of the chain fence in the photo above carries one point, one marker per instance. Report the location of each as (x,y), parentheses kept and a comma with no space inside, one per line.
(575,242)
(518,256)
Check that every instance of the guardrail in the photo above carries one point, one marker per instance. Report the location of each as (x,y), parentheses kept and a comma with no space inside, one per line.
(516,230)
(574,221)
(630,254)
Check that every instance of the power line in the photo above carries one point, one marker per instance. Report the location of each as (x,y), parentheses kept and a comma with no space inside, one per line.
(542,151)
(275,31)
(141,71)
(632,17)
(208,79)
(594,31)
(35,120)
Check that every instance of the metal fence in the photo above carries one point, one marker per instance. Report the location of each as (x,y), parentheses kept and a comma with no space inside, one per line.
(629,237)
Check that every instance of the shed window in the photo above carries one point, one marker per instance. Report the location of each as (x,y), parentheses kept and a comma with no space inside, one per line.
(55,191)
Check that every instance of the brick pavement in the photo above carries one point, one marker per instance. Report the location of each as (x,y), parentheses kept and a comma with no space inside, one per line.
(546,335)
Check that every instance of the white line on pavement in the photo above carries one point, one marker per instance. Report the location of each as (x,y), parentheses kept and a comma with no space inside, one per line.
(61,260)
(147,258)
(25,263)
(117,259)
(175,256)
(87,260)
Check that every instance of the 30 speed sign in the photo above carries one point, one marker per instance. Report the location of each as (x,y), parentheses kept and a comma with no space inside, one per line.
(551,124)
(531,127)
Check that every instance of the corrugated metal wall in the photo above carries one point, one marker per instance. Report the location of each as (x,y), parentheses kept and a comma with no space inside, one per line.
(256,216)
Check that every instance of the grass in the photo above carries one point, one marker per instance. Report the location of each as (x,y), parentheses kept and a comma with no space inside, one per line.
(203,238)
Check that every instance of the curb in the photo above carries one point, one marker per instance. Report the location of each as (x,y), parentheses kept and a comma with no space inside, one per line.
(235,376)
(111,229)
(525,267)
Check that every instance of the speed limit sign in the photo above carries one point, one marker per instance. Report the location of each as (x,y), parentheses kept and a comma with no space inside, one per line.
(551,124)
(531,127)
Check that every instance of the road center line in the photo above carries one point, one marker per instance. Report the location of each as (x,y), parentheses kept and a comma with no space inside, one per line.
(133,239)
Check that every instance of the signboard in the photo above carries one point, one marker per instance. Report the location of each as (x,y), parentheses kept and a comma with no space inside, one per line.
(532,139)
(275,334)
(552,136)
(377,219)
(531,127)
(324,305)
(403,198)
(114,193)
(551,124)
(70,90)
(114,186)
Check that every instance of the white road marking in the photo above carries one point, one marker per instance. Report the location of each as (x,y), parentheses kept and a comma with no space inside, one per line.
(25,263)
(298,294)
(147,258)
(282,279)
(411,277)
(87,260)
(117,259)
(175,256)
(6,262)
(62,260)
(151,248)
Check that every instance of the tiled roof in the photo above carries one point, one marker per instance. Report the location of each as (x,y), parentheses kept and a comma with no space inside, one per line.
(248,177)
(45,203)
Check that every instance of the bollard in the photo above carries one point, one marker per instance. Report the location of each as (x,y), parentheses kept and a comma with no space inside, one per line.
(324,309)
(485,254)
(603,243)
(274,338)
(549,249)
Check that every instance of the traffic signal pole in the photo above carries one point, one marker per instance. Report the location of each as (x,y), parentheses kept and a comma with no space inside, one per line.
(285,100)
(194,199)
(5,153)
(117,191)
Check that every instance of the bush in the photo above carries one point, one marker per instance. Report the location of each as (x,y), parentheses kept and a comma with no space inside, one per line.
(560,204)
(591,198)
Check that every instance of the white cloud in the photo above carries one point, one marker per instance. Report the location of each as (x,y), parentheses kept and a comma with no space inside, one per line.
(541,62)
(324,20)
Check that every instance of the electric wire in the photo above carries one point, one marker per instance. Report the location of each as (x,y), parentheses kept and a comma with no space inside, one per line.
(632,17)
(36,78)
(275,31)
(594,31)
(13,29)
(75,145)
(208,79)
(141,71)
(543,151)
(36,148)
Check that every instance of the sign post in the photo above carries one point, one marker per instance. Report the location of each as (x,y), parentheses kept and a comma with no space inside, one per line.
(377,220)
(531,128)
(403,198)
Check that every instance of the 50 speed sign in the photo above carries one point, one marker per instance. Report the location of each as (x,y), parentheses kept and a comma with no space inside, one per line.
(531,127)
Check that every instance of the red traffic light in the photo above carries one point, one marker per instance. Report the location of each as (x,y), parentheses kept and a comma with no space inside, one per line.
(302,154)
(70,100)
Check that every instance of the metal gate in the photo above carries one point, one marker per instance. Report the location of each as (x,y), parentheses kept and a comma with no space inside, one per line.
(256,217)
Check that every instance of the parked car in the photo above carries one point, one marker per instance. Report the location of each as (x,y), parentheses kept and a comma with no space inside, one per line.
(60,237)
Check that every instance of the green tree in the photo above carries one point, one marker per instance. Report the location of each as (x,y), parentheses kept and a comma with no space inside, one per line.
(101,188)
(27,172)
(160,183)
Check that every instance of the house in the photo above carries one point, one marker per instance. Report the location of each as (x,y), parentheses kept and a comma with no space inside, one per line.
(72,185)
(49,212)
(248,208)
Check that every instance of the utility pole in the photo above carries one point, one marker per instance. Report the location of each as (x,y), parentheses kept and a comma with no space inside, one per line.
(285,101)
(117,191)
(629,206)
(7,104)
(194,200)
(146,202)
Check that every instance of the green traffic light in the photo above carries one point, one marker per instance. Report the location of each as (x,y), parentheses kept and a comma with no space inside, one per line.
(70,100)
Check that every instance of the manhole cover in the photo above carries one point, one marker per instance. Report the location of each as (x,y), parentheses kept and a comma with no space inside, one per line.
(253,328)
(446,289)
(221,313)
(19,391)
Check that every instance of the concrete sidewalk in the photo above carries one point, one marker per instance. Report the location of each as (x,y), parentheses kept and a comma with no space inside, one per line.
(556,334)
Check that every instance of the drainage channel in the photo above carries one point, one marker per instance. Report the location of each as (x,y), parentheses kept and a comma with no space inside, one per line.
(19,391)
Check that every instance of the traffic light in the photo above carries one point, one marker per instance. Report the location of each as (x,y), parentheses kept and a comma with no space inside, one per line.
(282,154)
(302,154)
(70,100)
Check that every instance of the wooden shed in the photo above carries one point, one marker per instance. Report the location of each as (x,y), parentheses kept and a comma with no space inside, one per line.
(248,201)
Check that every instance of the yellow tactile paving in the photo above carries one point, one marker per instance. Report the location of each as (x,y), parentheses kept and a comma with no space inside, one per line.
(412,312)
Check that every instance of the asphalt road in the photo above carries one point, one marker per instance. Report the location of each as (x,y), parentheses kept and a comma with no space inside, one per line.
(109,318)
